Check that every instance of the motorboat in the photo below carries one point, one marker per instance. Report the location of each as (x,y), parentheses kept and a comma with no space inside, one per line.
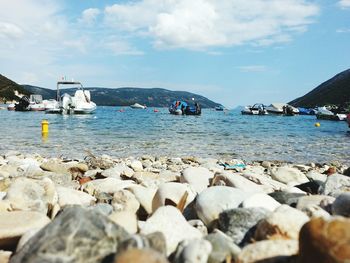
(282,108)
(36,103)
(11,107)
(22,104)
(219,108)
(51,106)
(306,111)
(138,106)
(256,109)
(80,103)
(324,114)
(182,108)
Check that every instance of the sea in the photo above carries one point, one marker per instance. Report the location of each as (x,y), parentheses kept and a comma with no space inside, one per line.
(124,132)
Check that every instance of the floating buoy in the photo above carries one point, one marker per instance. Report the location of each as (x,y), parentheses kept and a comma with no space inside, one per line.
(317,124)
(45,127)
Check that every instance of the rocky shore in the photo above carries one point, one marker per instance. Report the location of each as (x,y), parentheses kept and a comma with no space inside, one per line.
(161,209)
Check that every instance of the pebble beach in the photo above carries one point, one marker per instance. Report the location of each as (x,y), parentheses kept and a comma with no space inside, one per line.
(172,209)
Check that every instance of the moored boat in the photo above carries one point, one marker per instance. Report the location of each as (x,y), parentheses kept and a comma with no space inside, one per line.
(11,107)
(324,114)
(80,103)
(138,106)
(256,109)
(282,108)
(36,103)
(182,108)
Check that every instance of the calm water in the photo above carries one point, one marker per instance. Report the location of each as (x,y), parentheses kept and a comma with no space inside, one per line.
(215,134)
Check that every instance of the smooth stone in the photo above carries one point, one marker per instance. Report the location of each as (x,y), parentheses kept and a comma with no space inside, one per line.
(112,172)
(144,195)
(155,241)
(169,176)
(16,223)
(199,225)
(25,237)
(136,166)
(269,251)
(261,200)
(8,171)
(325,241)
(197,177)
(341,205)
(33,195)
(174,192)
(193,251)
(237,181)
(266,182)
(284,222)
(126,219)
(335,185)
(172,224)
(322,201)
(223,247)
(145,177)
(75,235)
(240,223)
(289,175)
(92,173)
(316,176)
(5,256)
(61,179)
(140,256)
(56,166)
(214,200)
(290,199)
(109,185)
(124,200)
(104,209)
(67,196)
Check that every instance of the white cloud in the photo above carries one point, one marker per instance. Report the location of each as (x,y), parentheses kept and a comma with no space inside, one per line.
(344,4)
(199,24)
(343,30)
(120,47)
(89,16)
(253,68)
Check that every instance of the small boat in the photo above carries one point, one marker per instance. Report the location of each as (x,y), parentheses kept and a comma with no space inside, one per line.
(11,107)
(324,114)
(256,109)
(282,108)
(22,104)
(80,103)
(52,106)
(306,111)
(182,108)
(138,106)
(36,103)
(219,108)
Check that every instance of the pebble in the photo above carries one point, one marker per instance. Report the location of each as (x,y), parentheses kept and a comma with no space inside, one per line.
(170,221)
(341,205)
(325,241)
(193,251)
(125,219)
(216,199)
(335,185)
(289,175)
(197,177)
(124,200)
(261,200)
(140,256)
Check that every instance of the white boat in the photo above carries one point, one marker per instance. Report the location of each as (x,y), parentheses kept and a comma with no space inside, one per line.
(80,103)
(138,106)
(282,108)
(52,106)
(256,109)
(324,114)
(36,103)
(11,107)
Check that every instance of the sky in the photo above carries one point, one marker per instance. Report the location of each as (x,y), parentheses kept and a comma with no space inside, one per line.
(235,52)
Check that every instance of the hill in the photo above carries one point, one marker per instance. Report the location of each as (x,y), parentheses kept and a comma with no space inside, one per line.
(152,97)
(9,88)
(334,91)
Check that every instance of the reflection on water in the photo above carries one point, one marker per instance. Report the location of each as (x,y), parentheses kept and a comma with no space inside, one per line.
(138,132)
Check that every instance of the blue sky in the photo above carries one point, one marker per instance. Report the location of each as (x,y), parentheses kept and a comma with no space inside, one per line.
(235,52)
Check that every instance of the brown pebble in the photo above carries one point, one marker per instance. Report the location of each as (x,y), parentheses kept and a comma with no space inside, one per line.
(84,180)
(140,256)
(325,241)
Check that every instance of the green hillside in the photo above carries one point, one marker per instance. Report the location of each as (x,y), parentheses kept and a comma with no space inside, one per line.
(334,91)
(7,89)
(152,97)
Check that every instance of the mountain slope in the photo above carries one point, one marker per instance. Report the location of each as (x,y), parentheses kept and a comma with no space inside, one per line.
(153,97)
(334,91)
(8,88)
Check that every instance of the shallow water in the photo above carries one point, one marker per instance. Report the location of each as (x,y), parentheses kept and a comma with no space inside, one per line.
(216,134)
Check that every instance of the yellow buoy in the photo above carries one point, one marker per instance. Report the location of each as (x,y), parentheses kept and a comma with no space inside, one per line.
(45,127)
(317,124)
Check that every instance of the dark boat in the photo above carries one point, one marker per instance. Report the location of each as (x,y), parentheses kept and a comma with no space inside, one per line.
(23,104)
(182,108)
(306,111)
